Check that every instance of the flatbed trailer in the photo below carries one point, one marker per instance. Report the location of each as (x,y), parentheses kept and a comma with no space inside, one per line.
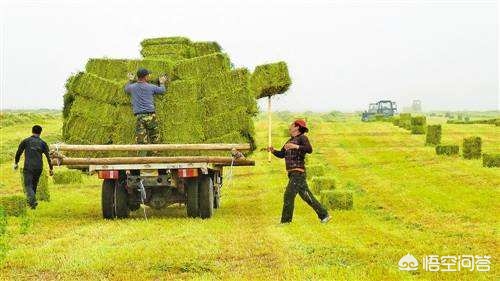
(157,182)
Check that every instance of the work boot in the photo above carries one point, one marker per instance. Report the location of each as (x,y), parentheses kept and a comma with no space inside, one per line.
(326,219)
(33,206)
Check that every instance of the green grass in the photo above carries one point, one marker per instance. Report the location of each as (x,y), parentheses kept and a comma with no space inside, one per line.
(406,200)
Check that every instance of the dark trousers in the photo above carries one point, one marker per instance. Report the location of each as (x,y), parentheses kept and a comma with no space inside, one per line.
(31,178)
(297,184)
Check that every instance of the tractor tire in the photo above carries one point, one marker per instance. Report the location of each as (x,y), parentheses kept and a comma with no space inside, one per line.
(107,199)
(217,198)
(206,189)
(114,200)
(192,198)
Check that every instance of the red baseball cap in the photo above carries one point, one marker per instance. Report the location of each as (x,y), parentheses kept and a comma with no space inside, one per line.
(301,123)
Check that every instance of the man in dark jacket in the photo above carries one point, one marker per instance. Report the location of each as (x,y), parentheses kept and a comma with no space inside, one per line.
(294,152)
(33,148)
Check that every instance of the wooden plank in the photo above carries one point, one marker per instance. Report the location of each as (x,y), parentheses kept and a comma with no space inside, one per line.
(150,147)
(222,161)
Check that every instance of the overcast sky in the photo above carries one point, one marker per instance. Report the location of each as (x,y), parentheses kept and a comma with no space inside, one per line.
(341,54)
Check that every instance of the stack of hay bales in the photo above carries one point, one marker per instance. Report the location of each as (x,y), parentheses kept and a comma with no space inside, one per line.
(447,149)
(418,125)
(471,148)
(68,176)
(405,121)
(42,190)
(491,160)
(207,101)
(433,136)
(337,199)
(13,205)
(319,183)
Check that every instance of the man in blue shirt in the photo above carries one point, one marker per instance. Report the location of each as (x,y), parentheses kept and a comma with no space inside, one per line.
(142,94)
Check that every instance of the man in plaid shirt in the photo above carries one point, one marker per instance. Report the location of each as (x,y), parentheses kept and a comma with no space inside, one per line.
(294,152)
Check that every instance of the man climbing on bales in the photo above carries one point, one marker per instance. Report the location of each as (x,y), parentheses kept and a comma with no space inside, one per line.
(294,152)
(33,148)
(142,94)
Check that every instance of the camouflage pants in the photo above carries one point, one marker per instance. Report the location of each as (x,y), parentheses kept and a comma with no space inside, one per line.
(297,184)
(146,131)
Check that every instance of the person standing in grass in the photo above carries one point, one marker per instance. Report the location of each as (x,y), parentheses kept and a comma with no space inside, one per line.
(33,148)
(294,151)
(142,94)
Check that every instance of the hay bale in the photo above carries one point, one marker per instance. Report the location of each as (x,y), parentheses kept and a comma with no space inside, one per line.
(322,183)
(13,205)
(405,121)
(395,121)
(165,40)
(68,176)
(315,170)
(418,125)
(270,79)
(471,148)
(447,149)
(491,160)
(3,221)
(169,51)
(206,48)
(433,136)
(337,199)
(99,89)
(42,190)
(200,67)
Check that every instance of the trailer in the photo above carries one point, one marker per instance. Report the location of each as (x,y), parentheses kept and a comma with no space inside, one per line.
(157,182)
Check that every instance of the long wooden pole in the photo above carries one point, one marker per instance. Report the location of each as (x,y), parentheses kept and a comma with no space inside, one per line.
(150,160)
(269,143)
(149,147)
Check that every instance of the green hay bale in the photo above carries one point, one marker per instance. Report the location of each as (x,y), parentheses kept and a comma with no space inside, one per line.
(337,199)
(42,190)
(405,121)
(171,51)
(3,221)
(471,148)
(395,121)
(165,40)
(270,79)
(99,89)
(316,170)
(233,120)
(13,205)
(433,136)
(228,90)
(200,67)
(418,125)
(491,160)
(447,149)
(497,122)
(206,48)
(117,69)
(68,176)
(322,183)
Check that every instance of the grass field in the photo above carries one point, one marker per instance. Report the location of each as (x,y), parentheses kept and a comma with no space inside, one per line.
(406,200)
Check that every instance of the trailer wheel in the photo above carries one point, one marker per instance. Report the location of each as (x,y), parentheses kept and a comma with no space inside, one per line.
(192,198)
(114,199)
(206,188)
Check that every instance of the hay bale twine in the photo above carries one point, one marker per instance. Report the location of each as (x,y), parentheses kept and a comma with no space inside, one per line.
(322,183)
(418,125)
(337,199)
(447,149)
(13,205)
(315,170)
(42,190)
(471,148)
(68,176)
(491,160)
(433,136)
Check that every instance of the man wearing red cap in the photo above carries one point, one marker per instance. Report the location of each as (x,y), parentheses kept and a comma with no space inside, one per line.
(294,152)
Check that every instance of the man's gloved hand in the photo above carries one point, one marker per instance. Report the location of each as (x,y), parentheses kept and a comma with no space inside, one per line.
(163,79)
(51,173)
(291,146)
(270,149)
(15,166)
(130,76)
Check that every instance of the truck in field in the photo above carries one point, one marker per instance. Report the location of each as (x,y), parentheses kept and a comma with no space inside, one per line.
(157,182)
